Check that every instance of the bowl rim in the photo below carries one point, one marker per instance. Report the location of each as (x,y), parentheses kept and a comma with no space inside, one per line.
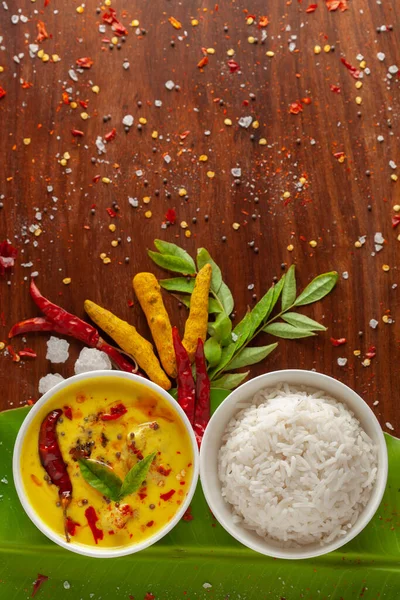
(377,493)
(82,549)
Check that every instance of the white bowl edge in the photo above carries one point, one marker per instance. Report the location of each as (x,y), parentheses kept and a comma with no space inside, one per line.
(82,549)
(242,397)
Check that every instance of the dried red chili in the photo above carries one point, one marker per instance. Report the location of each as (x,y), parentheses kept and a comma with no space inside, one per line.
(28,353)
(85,62)
(311,8)
(202,411)
(110,135)
(12,353)
(371,352)
(167,495)
(71,526)
(186,386)
(233,65)
(338,342)
(333,5)
(354,72)
(115,412)
(111,212)
(335,88)
(92,519)
(53,462)
(40,579)
(338,155)
(296,107)
(77,132)
(2,92)
(42,33)
(68,412)
(8,254)
(170,215)
(395,220)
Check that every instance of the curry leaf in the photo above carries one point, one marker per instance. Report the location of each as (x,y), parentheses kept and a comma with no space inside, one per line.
(287,331)
(178,284)
(172,263)
(229,381)
(135,477)
(289,288)
(226,298)
(212,351)
(226,357)
(101,477)
(203,258)
(213,305)
(173,250)
(251,356)
(220,328)
(303,322)
(317,289)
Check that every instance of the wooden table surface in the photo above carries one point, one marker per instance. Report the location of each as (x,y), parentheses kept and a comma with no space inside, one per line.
(343,197)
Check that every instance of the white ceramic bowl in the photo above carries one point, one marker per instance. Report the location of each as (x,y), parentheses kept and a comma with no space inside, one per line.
(236,401)
(95,551)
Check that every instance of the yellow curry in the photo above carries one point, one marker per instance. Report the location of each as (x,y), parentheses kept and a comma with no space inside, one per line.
(117,424)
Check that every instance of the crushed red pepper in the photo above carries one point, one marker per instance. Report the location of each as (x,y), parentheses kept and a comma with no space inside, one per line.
(167,495)
(85,62)
(115,412)
(37,584)
(92,519)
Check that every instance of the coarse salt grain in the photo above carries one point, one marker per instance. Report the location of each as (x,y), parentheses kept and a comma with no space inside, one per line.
(57,350)
(389,426)
(49,381)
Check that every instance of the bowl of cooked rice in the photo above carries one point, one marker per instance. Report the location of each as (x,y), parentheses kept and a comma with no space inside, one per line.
(293,464)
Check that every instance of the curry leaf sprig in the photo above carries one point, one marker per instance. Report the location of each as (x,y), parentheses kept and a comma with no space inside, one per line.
(228,349)
(103,479)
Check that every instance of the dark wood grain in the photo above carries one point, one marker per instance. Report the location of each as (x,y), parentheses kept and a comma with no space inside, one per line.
(338,203)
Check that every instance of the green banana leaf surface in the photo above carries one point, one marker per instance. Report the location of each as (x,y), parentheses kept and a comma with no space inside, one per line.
(198,559)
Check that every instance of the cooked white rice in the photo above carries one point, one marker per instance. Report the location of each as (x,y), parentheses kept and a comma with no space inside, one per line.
(296,466)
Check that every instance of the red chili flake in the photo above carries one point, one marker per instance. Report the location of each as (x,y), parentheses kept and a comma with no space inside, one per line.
(68,412)
(311,8)
(163,471)
(203,62)
(296,108)
(118,28)
(184,134)
(335,4)
(2,92)
(84,103)
(175,23)
(110,16)
(338,155)
(338,342)
(395,220)
(233,65)
(150,524)
(46,3)
(142,495)
(110,135)
(38,583)
(26,84)
(263,21)
(42,33)
(65,98)
(77,132)
(354,72)
(28,353)
(110,211)
(71,526)
(306,100)
(8,254)
(170,215)
(131,303)
(92,519)
(85,62)
(12,353)
(115,412)
(168,495)
(149,596)
(371,352)
(335,88)
(188,515)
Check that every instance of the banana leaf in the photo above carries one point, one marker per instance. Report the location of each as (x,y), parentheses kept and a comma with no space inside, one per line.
(198,560)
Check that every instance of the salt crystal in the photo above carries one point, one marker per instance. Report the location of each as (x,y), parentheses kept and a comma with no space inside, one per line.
(57,350)
(393,69)
(359,57)
(38,216)
(24,19)
(378,238)
(139,173)
(206,586)
(49,381)
(158,103)
(245,122)
(126,65)
(91,359)
(292,47)
(33,48)
(389,426)
(381,56)
(127,121)
(167,159)
(169,84)
(373,323)
(392,164)
(367,71)
(342,362)
(237,172)
(375,403)
(207,132)
(250,286)
(380,138)
(345,275)
(66,585)
(14,19)
(133,202)
(73,75)
(100,145)
(102,28)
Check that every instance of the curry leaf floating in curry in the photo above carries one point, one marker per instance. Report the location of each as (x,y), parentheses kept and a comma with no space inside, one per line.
(103,479)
